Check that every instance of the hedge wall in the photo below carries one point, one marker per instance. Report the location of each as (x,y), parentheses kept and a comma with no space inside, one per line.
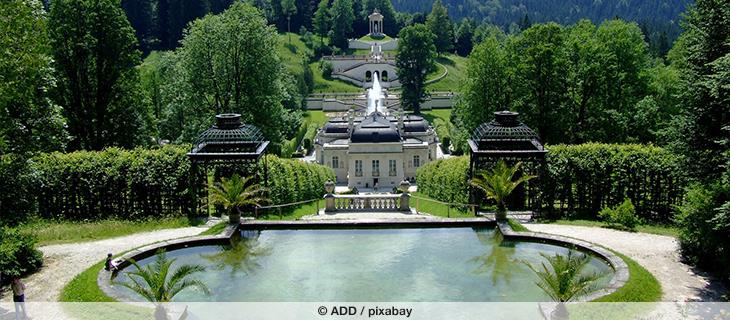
(581,179)
(127,184)
(584,178)
(114,183)
(445,180)
(294,180)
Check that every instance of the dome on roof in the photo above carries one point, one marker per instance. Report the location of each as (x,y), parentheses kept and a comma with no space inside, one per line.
(375,128)
(505,126)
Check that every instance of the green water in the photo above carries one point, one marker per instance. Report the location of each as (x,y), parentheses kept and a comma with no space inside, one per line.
(404,265)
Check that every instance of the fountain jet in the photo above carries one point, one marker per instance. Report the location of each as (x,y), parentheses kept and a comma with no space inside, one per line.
(375,97)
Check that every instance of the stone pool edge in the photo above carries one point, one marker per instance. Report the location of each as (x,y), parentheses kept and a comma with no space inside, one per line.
(620,277)
(619,266)
(104,278)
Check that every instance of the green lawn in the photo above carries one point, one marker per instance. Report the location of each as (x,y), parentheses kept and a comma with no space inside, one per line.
(291,54)
(292,213)
(456,65)
(330,85)
(645,228)
(369,38)
(49,232)
(216,229)
(641,287)
(317,117)
(430,206)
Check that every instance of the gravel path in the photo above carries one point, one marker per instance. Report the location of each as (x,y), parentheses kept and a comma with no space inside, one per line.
(62,262)
(658,254)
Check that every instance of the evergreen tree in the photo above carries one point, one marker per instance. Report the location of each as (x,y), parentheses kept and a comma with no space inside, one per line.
(95,57)
(702,56)
(321,21)
(140,14)
(342,18)
(289,8)
(416,52)
(29,122)
(464,34)
(440,25)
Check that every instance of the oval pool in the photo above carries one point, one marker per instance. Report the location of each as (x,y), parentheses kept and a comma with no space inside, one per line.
(404,265)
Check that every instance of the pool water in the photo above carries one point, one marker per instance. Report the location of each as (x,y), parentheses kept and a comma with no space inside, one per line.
(404,265)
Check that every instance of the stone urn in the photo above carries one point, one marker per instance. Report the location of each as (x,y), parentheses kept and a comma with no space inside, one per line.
(404,186)
(329,187)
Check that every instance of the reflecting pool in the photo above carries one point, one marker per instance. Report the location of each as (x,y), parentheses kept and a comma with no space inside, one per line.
(405,265)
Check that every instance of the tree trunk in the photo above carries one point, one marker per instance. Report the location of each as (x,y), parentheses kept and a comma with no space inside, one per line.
(501,213)
(235,216)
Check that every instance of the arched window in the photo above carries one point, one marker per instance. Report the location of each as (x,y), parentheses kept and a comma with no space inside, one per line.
(385,76)
(335,162)
(368,76)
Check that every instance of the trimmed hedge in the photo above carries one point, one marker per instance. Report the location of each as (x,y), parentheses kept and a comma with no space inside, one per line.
(582,179)
(114,183)
(445,180)
(294,180)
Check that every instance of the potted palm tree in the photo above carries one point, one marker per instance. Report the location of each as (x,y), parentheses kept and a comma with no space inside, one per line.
(158,284)
(498,183)
(564,279)
(237,193)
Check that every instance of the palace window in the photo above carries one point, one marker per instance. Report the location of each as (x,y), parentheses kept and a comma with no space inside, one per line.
(358,168)
(416,161)
(376,168)
(335,162)
(392,171)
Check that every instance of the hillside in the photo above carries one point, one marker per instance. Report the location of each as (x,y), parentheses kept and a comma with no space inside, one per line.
(660,15)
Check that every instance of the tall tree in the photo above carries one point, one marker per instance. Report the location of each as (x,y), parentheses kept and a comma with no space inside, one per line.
(487,86)
(440,25)
(29,122)
(542,78)
(702,56)
(587,63)
(96,55)
(321,21)
(229,64)
(416,52)
(342,18)
(464,34)
(289,8)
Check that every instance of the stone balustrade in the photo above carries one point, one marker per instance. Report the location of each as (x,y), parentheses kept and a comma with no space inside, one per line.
(367,202)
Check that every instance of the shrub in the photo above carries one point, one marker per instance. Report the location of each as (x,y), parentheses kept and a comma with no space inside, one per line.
(326,67)
(294,180)
(445,180)
(18,255)
(704,222)
(16,202)
(622,216)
